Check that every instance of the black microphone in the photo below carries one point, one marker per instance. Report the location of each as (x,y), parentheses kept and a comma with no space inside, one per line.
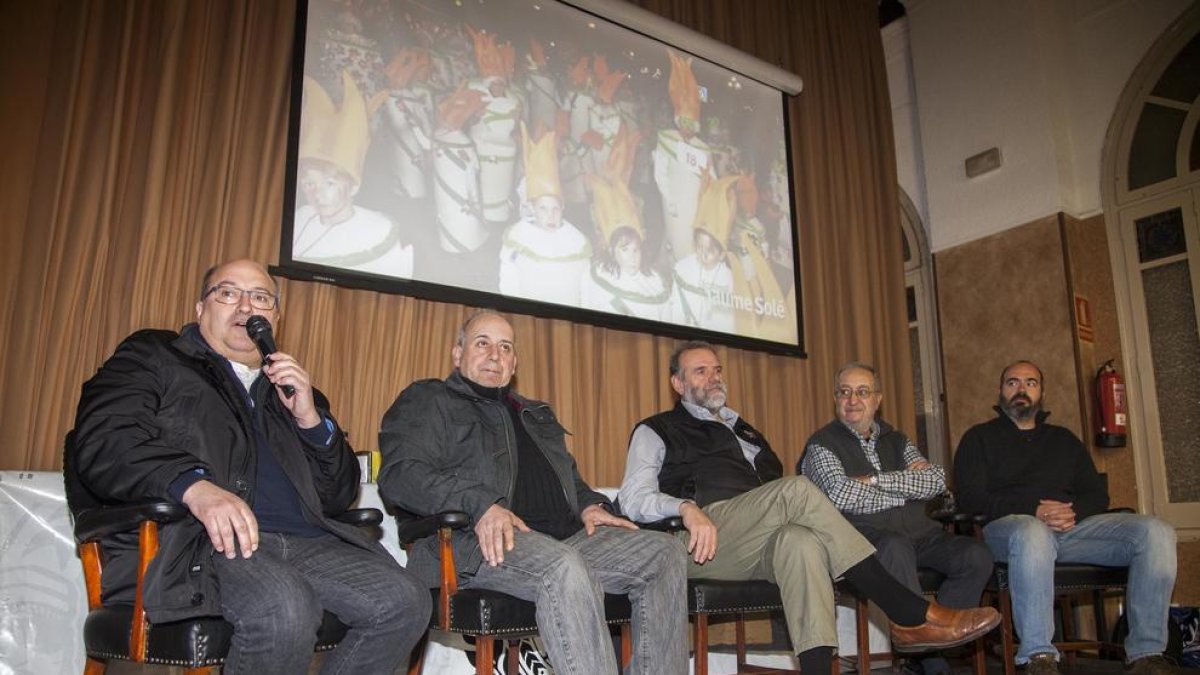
(260,332)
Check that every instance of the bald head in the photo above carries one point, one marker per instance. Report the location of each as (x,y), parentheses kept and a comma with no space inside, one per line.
(485,350)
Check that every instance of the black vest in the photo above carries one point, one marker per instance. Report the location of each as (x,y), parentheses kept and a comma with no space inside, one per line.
(704,461)
(909,519)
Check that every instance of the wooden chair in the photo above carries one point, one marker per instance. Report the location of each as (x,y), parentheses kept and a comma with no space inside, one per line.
(122,632)
(486,616)
(1069,580)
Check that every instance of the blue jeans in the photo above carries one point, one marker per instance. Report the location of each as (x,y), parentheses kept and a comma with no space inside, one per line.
(275,600)
(567,580)
(1144,544)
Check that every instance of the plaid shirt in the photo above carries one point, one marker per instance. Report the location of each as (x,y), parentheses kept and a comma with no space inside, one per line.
(893,489)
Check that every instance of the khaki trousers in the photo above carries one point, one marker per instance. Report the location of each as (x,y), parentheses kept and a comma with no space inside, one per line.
(789,533)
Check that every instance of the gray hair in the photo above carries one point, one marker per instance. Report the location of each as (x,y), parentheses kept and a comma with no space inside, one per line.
(673,364)
(858,365)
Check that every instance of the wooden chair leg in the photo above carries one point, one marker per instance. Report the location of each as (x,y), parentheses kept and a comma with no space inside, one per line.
(203,670)
(1107,648)
(626,645)
(700,637)
(485,654)
(94,667)
(979,657)
(740,631)
(1008,648)
(862,630)
(512,653)
(1068,628)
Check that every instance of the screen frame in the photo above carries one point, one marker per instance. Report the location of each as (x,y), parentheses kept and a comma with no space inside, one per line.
(653,28)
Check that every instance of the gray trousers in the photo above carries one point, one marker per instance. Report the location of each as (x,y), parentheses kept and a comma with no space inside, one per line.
(275,600)
(789,533)
(567,580)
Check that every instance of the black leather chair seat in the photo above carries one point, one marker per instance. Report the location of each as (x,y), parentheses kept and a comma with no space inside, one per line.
(191,643)
(1070,577)
(711,596)
(481,612)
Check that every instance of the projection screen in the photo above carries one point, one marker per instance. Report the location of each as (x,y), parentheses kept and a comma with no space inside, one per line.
(531,156)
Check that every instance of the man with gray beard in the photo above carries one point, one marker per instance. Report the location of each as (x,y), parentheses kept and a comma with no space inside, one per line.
(1038,483)
(702,462)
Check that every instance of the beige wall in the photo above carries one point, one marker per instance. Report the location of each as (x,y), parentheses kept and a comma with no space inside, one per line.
(1004,298)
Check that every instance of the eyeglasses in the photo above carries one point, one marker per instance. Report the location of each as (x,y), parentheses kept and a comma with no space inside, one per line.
(862,393)
(228,294)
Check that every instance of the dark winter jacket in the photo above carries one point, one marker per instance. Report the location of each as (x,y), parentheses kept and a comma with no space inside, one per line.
(163,405)
(1001,470)
(446,448)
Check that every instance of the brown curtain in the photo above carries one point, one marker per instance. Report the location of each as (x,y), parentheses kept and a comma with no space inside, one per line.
(145,141)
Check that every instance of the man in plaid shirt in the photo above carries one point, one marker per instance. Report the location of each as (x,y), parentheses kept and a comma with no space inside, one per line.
(876,477)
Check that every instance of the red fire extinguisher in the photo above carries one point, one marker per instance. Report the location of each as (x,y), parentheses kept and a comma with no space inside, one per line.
(1112,416)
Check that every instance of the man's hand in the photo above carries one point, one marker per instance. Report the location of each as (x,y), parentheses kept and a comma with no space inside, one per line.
(1058,516)
(282,370)
(225,516)
(595,515)
(919,465)
(495,533)
(702,533)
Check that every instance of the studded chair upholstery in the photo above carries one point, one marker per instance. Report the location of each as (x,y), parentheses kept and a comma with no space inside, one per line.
(486,616)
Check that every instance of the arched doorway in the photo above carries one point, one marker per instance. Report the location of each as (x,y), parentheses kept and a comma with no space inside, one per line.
(1151,186)
(923,339)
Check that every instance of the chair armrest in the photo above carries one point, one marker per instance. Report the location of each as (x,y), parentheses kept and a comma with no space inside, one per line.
(103,521)
(672,524)
(360,517)
(411,527)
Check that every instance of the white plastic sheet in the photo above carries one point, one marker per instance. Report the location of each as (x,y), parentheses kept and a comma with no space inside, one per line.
(42,597)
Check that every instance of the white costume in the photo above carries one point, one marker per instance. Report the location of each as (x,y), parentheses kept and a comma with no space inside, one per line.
(679,167)
(368,242)
(542,264)
(703,298)
(640,295)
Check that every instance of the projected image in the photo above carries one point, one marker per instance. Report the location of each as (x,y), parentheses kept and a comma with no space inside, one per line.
(529,150)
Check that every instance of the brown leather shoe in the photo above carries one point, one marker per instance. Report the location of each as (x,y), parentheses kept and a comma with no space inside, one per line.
(1041,664)
(944,627)
(1154,665)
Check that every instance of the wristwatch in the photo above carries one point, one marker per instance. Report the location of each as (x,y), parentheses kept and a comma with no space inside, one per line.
(873,480)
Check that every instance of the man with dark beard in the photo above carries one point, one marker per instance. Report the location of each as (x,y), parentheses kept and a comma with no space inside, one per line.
(1039,484)
(702,462)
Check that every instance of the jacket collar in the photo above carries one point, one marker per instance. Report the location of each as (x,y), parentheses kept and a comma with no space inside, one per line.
(459,385)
